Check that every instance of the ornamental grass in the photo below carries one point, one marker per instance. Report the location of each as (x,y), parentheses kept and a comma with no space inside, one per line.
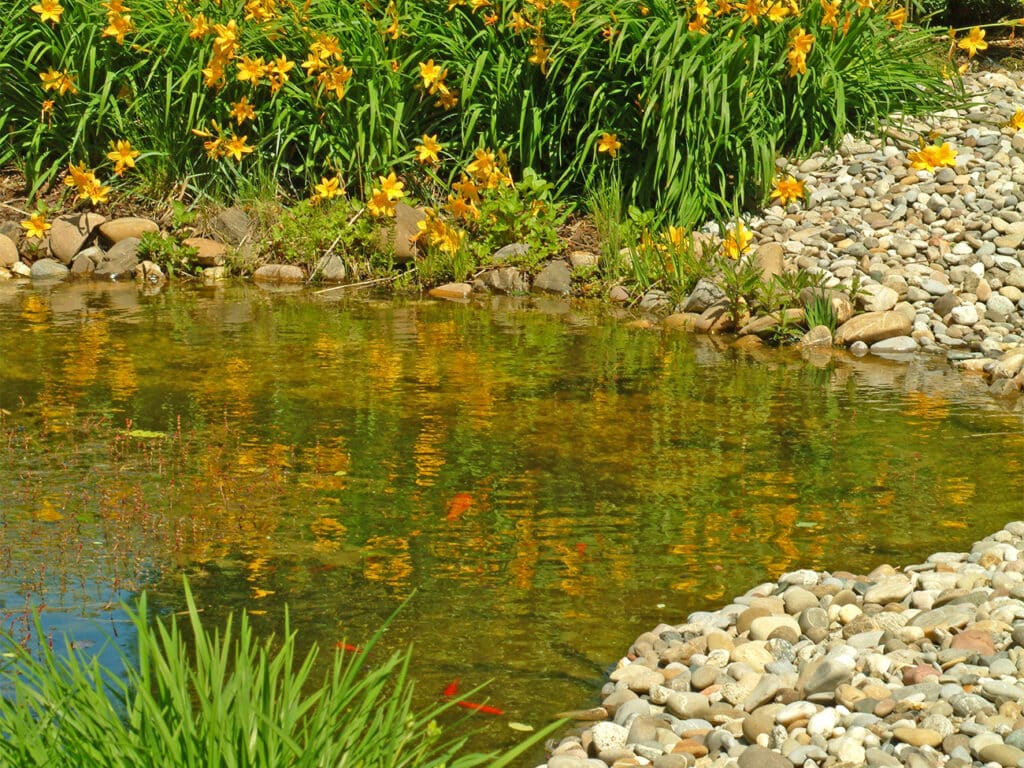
(691,102)
(192,696)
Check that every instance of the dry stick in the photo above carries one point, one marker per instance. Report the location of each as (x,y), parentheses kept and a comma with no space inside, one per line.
(12,208)
(330,248)
(366,282)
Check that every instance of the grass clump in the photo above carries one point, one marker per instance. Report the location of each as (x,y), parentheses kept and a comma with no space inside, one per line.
(196,697)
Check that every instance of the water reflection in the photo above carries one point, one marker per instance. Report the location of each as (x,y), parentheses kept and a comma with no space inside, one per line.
(548,484)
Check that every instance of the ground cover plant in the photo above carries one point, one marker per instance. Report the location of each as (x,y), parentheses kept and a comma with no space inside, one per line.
(690,102)
(201,697)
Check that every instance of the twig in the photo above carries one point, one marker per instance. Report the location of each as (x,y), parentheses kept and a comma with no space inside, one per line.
(12,208)
(364,283)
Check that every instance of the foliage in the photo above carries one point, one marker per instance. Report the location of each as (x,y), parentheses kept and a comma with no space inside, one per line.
(209,698)
(821,311)
(305,232)
(167,253)
(261,97)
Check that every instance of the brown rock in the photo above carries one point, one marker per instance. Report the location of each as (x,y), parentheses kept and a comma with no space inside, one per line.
(399,235)
(766,325)
(918,737)
(279,273)
(769,257)
(210,253)
(682,321)
(871,327)
(70,233)
(124,227)
(974,640)
(918,673)
(715,319)
(451,291)
(819,336)
(8,251)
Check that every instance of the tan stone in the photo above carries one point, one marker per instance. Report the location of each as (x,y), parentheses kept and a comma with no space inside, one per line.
(400,235)
(124,227)
(8,251)
(715,319)
(818,336)
(69,234)
(918,737)
(279,273)
(451,291)
(769,257)
(210,253)
(871,327)
(766,325)
(682,321)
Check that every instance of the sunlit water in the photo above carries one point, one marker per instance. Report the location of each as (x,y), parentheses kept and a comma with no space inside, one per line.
(534,481)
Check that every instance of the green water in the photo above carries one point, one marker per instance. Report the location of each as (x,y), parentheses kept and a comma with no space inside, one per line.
(544,482)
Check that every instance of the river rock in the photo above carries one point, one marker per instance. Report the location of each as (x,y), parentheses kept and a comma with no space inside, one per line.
(871,327)
(555,277)
(124,227)
(506,280)
(877,298)
(280,273)
(209,253)
(705,293)
(8,251)
(120,261)
(48,269)
(451,291)
(231,226)
(70,233)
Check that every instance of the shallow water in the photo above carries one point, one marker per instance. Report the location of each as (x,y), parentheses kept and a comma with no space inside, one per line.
(537,483)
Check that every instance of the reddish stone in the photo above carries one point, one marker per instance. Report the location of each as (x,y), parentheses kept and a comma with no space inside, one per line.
(974,640)
(918,674)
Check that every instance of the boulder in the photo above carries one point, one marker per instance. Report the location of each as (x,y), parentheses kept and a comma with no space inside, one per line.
(120,261)
(871,327)
(231,226)
(126,227)
(8,251)
(508,280)
(69,234)
(554,278)
(279,273)
(770,258)
(48,269)
(209,253)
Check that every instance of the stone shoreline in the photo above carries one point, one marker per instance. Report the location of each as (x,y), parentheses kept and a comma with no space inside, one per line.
(918,667)
(916,261)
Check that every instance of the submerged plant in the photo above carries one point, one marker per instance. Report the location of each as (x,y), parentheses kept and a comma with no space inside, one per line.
(221,698)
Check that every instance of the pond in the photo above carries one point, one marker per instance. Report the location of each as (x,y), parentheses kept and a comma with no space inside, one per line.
(534,481)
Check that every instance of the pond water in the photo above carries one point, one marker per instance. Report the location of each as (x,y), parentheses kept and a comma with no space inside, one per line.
(536,482)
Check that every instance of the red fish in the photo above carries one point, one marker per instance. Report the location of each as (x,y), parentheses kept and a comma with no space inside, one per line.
(451,689)
(484,708)
(347,647)
(458,505)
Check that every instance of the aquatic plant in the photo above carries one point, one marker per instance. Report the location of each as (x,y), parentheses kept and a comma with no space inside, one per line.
(200,697)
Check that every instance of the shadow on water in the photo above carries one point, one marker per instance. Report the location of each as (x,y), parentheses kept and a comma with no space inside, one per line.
(547,481)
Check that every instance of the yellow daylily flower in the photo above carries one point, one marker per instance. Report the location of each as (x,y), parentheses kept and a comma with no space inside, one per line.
(1017,121)
(49,10)
(786,189)
(123,156)
(328,188)
(737,241)
(428,151)
(609,142)
(242,110)
(933,156)
(380,204)
(974,42)
(897,17)
(392,187)
(57,80)
(236,147)
(36,226)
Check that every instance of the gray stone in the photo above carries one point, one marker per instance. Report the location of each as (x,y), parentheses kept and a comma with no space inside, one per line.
(877,298)
(824,675)
(508,252)
(897,345)
(704,294)
(506,280)
(330,269)
(231,226)
(48,269)
(120,261)
(608,736)
(555,277)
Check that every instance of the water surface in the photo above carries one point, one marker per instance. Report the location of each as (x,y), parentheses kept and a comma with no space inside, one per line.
(536,482)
